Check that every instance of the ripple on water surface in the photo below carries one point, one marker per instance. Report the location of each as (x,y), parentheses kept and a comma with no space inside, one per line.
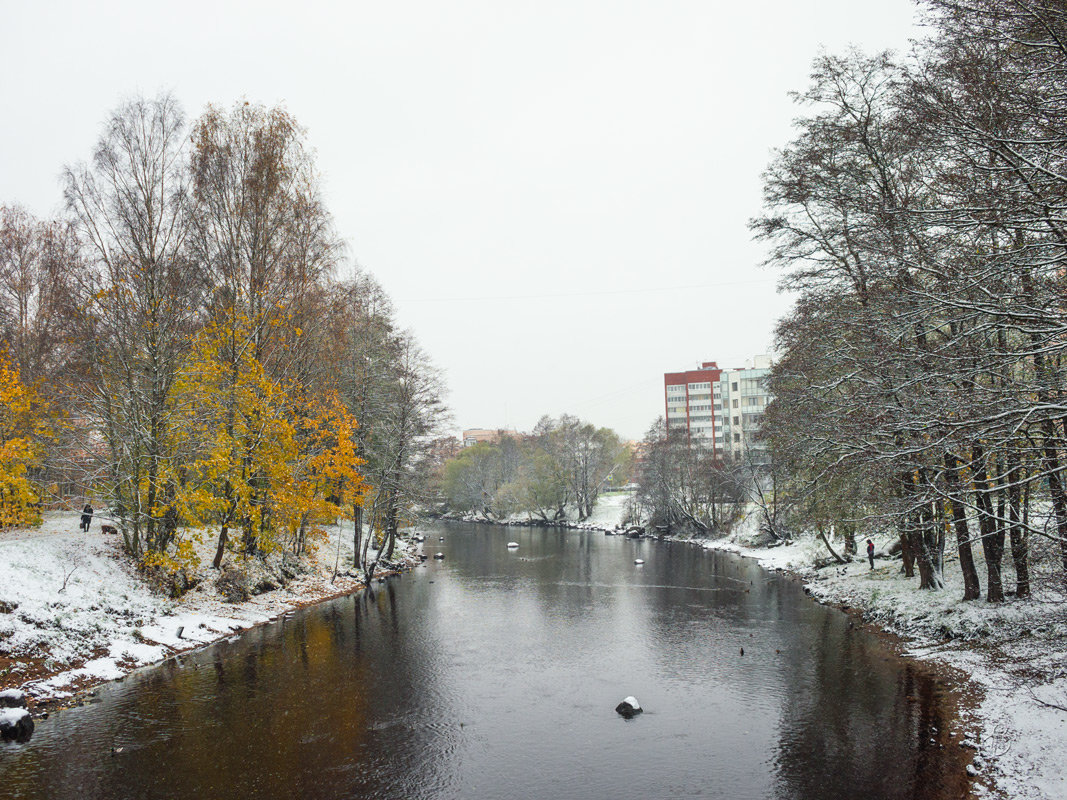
(495,674)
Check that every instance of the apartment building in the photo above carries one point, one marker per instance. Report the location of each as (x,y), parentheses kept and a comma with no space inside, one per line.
(688,399)
(720,408)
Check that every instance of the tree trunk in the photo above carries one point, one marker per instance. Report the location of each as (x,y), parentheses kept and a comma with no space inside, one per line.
(1020,549)
(907,557)
(221,550)
(972,589)
(357,533)
(849,533)
(988,529)
(1055,488)
(826,542)
(391,522)
(923,536)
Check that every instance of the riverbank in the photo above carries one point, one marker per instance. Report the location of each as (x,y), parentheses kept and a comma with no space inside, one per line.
(1013,654)
(608,514)
(75,612)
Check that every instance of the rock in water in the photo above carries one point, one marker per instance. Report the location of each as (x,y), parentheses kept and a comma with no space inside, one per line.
(439,556)
(628,707)
(513,545)
(639,561)
(16,724)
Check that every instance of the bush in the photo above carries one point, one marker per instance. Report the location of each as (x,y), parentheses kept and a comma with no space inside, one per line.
(167,575)
(233,583)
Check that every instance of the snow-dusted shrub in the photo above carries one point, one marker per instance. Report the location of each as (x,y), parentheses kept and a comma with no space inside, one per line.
(233,583)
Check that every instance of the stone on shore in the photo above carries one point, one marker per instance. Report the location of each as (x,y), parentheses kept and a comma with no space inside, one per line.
(12,698)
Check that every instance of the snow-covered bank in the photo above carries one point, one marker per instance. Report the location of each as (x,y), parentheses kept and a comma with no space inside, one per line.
(608,515)
(1015,653)
(75,612)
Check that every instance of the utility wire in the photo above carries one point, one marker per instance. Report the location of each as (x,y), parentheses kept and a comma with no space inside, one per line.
(592,293)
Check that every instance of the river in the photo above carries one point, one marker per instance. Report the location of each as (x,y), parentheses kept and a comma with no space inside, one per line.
(495,673)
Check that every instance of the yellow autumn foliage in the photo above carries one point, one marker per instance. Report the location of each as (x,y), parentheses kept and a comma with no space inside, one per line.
(264,459)
(21,426)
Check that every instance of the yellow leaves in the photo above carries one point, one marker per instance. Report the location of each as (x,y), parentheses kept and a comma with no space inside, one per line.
(264,456)
(22,422)
(184,556)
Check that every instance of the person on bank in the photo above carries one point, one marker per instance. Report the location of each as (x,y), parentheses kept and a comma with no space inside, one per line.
(870,552)
(87,517)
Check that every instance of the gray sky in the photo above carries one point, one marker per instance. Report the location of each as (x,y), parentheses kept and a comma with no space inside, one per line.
(555,194)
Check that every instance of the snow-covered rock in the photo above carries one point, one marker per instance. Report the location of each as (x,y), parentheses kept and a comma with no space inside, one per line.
(513,545)
(15,723)
(12,698)
(639,561)
(628,707)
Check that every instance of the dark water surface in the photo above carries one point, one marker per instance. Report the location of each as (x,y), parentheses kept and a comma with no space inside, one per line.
(495,674)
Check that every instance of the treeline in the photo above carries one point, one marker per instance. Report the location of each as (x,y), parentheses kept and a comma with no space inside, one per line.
(919,214)
(683,487)
(561,467)
(183,346)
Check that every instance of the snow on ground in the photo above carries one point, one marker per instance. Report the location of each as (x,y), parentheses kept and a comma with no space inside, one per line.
(73,608)
(1014,652)
(610,509)
(609,513)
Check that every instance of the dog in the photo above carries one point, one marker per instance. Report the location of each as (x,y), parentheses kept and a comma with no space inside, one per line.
(109,529)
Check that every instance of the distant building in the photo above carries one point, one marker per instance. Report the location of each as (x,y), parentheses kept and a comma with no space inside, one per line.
(475,435)
(688,400)
(720,408)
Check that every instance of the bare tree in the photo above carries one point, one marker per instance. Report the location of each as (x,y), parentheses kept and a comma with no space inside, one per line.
(138,301)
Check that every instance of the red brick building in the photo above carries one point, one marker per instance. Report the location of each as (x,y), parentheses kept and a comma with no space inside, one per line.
(689,400)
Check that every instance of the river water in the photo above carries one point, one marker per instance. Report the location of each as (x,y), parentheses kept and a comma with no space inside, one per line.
(494,674)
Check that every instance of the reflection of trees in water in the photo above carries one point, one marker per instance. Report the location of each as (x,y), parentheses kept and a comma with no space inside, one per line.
(856,721)
(362,697)
(304,708)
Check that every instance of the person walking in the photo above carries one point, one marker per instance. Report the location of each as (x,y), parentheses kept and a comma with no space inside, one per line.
(870,552)
(87,517)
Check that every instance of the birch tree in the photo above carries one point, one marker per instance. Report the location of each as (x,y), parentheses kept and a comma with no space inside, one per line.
(138,298)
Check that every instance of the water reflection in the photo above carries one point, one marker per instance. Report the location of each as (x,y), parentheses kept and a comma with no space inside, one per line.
(494,674)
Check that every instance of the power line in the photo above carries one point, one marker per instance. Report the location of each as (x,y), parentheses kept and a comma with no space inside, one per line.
(593,293)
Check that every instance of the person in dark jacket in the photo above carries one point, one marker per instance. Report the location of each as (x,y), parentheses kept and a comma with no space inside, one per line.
(870,552)
(87,517)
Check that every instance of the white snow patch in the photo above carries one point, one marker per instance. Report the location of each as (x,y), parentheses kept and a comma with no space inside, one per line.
(610,510)
(11,716)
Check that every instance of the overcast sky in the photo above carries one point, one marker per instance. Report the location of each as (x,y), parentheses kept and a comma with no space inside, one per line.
(555,194)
